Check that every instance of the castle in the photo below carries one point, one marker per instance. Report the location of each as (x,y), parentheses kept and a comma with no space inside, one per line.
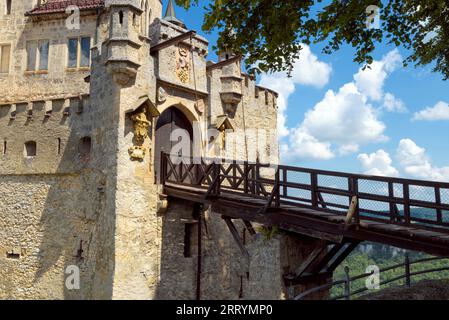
(91,92)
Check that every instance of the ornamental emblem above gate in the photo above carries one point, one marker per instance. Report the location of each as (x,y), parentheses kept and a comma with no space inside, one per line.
(183,65)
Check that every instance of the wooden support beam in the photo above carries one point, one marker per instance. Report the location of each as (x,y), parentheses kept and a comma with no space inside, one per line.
(310,260)
(172,41)
(351,212)
(346,252)
(327,258)
(236,236)
(249,227)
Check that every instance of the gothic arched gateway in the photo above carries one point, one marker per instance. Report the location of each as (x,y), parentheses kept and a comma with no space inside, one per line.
(170,120)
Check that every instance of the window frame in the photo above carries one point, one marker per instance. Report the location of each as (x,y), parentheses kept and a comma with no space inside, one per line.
(37,57)
(6,44)
(78,66)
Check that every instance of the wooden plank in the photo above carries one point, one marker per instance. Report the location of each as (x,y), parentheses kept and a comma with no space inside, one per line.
(311,232)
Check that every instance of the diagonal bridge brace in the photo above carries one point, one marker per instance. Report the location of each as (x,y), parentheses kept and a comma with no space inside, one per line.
(322,261)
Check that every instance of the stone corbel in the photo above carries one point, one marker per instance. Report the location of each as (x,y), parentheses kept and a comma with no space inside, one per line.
(162,204)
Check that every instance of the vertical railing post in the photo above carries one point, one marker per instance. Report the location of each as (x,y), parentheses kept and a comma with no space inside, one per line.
(406,195)
(391,196)
(408,280)
(217,169)
(438,203)
(347,284)
(163,169)
(277,185)
(257,173)
(314,188)
(284,181)
(245,177)
(353,186)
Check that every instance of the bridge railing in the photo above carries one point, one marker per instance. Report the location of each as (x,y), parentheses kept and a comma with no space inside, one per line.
(407,277)
(390,200)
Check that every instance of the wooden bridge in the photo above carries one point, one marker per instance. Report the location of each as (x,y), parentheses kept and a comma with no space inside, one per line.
(339,208)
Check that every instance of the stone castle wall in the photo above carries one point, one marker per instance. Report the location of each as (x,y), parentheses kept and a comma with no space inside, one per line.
(99,210)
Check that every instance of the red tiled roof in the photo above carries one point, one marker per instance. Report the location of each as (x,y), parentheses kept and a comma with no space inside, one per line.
(58,6)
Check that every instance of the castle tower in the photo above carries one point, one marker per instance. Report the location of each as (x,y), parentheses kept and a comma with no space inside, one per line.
(123,44)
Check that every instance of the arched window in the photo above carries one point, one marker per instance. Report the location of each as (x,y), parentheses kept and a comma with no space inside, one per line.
(30,149)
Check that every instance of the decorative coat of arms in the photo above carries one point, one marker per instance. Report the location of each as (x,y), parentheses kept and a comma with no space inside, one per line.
(183,65)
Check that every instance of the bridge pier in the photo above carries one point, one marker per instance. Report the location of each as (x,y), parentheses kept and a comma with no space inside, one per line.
(214,266)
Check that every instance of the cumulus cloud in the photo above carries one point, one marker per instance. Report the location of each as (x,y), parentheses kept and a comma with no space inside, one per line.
(438,112)
(416,162)
(344,120)
(378,163)
(306,146)
(308,71)
(393,104)
(370,81)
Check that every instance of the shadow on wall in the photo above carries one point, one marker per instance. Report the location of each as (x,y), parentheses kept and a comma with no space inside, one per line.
(64,218)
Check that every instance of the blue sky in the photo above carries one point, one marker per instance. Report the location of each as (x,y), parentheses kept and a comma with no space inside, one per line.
(374,122)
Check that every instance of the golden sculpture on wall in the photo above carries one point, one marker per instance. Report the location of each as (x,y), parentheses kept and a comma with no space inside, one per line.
(141,125)
(137,153)
(183,65)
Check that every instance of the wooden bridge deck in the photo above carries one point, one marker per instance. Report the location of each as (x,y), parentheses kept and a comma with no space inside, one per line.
(332,206)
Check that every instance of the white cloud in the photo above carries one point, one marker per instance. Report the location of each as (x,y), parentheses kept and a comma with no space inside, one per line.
(370,81)
(378,163)
(438,112)
(308,70)
(416,162)
(305,146)
(393,104)
(345,119)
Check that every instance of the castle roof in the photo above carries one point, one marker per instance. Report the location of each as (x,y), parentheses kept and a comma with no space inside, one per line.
(59,6)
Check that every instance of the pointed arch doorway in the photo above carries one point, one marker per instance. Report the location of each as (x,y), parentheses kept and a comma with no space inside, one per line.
(172,123)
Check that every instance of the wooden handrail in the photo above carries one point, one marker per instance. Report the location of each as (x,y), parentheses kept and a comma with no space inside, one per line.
(326,190)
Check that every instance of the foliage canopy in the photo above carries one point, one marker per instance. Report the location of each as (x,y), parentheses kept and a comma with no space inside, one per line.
(269,33)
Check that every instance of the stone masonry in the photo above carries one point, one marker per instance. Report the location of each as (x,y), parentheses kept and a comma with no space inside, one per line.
(79,157)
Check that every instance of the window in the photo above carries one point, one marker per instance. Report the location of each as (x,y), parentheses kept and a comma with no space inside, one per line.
(30,149)
(37,55)
(190,239)
(8,7)
(78,52)
(59,146)
(5,55)
(85,146)
(5,145)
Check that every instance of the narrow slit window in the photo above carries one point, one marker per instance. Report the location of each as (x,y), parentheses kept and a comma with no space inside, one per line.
(59,146)
(5,146)
(5,56)
(8,7)
(30,149)
(120,16)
